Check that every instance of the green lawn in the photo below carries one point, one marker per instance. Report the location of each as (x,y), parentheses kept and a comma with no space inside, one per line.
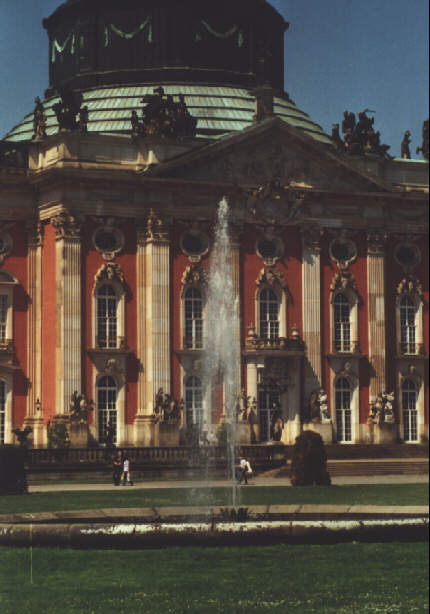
(374,494)
(353,578)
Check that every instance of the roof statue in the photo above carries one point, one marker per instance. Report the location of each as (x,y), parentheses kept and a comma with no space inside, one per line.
(359,136)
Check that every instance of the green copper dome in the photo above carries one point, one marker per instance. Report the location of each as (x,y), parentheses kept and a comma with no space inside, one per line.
(219,110)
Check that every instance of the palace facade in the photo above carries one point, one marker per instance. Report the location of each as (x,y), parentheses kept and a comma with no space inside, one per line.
(109,193)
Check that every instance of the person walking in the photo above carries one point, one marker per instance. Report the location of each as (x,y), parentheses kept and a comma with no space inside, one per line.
(126,472)
(245,470)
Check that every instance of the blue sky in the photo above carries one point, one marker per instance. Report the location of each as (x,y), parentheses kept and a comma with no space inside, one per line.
(340,54)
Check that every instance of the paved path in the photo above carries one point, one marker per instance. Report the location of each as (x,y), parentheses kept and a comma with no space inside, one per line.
(257,481)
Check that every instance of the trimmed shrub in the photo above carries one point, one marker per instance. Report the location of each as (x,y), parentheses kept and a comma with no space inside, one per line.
(12,470)
(309,461)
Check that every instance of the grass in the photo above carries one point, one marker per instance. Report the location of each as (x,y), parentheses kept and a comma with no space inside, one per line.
(353,578)
(372,494)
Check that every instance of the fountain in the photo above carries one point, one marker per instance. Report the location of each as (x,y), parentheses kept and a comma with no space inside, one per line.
(221,362)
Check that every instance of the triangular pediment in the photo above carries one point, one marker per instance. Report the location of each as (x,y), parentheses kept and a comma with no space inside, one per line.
(267,151)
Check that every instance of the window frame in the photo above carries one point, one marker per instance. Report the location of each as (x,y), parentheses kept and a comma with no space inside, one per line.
(120,314)
(193,342)
(352,300)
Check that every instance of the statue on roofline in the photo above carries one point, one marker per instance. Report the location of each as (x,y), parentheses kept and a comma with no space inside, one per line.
(68,109)
(163,117)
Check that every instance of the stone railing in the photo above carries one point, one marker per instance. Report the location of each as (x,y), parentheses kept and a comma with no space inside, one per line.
(255,343)
(183,457)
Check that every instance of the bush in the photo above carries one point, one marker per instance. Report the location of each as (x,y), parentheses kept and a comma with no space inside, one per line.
(12,470)
(309,461)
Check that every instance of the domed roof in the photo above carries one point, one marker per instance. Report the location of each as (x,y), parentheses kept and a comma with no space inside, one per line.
(116,52)
(219,110)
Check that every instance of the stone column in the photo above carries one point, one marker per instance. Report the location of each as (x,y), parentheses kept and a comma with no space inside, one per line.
(311,309)
(34,417)
(153,279)
(376,311)
(69,307)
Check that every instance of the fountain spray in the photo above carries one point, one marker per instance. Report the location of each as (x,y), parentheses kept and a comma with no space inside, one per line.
(222,355)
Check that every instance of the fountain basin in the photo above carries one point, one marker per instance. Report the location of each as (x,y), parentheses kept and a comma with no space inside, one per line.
(141,536)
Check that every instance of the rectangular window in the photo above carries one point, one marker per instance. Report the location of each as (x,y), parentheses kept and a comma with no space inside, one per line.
(2,411)
(3,317)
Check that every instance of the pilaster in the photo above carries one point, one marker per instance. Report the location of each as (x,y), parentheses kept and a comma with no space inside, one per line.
(34,333)
(69,306)
(376,311)
(154,314)
(311,309)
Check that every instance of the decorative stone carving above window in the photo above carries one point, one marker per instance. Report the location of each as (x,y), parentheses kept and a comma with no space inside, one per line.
(272,277)
(343,281)
(269,247)
(194,275)
(410,286)
(407,255)
(194,243)
(6,243)
(108,240)
(342,250)
(110,272)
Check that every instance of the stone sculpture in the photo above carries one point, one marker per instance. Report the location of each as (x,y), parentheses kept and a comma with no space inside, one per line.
(360,137)
(79,408)
(318,407)
(39,121)
(424,149)
(68,109)
(163,117)
(167,408)
(381,408)
(405,151)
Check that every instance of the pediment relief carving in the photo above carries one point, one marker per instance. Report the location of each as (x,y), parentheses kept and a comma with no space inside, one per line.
(257,161)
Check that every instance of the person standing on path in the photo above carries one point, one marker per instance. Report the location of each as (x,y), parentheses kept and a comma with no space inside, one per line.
(244,470)
(126,471)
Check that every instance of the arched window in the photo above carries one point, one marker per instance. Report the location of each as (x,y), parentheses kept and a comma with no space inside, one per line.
(106,407)
(107,302)
(2,411)
(407,325)
(342,323)
(343,410)
(193,311)
(410,413)
(269,308)
(194,400)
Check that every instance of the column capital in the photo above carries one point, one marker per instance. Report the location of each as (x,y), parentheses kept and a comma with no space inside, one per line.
(153,230)
(311,236)
(34,230)
(376,240)
(66,226)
